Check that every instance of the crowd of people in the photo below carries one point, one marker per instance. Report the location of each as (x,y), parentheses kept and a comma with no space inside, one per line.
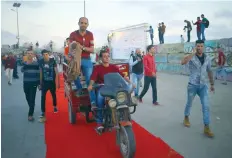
(202,23)
(42,73)
(161,31)
(38,72)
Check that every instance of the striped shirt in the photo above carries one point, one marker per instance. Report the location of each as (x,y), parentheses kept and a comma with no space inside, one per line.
(31,73)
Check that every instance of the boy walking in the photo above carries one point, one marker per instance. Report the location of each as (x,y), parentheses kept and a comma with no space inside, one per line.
(48,78)
(30,71)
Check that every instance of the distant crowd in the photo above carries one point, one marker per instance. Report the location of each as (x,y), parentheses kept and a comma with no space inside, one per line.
(202,23)
(10,62)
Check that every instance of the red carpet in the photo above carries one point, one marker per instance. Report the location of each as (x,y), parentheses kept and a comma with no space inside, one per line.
(64,140)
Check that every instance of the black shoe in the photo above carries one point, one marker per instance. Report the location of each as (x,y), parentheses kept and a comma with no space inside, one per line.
(31,118)
(55,110)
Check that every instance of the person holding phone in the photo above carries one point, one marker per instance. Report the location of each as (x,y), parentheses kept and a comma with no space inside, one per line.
(199,65)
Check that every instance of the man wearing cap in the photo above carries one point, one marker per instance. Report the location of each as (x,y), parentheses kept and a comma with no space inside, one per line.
(86,40)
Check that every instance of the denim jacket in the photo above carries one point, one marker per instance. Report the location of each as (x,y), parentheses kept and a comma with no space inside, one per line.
(199,73)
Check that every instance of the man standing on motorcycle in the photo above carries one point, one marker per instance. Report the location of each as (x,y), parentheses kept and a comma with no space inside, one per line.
(98,77)
(86,40)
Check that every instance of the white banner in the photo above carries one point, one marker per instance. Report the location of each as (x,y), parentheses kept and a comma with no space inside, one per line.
(126,41)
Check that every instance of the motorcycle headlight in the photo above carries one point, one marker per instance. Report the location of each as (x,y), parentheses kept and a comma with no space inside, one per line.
(134,100)
(112,103)
(121,97)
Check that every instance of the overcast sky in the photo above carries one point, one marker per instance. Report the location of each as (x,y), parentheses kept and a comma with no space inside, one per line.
(54,20)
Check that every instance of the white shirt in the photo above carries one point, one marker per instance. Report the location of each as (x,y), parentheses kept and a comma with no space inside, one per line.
(51,56)
(93,57)
(181,39)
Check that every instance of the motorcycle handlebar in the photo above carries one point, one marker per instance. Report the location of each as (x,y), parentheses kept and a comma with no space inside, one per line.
(97,85)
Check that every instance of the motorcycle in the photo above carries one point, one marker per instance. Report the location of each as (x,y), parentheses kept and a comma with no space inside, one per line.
(116,112)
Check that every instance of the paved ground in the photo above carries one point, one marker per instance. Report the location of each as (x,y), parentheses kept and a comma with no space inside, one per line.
(26,140)
(165,121)
(20,138)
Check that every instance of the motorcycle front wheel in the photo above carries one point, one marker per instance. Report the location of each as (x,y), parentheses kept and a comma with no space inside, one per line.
(127,142)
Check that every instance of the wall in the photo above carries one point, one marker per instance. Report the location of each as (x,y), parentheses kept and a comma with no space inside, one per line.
(168,56)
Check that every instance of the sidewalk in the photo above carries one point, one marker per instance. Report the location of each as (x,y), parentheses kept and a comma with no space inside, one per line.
(165,121)
(20,138)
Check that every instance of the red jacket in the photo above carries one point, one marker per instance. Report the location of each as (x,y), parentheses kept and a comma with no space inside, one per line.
(149,65)
(10,62)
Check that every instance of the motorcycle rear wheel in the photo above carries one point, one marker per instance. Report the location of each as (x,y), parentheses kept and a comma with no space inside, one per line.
(127,142)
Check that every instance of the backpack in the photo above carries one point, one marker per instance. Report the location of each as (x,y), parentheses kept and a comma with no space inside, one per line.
(207,23)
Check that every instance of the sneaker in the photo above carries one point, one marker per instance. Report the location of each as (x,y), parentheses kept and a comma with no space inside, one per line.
(42,115)
(30,118)
(55,109)
(99,129)
(42,119)
(208,132)
(186,121)
(156,103)
(93,106)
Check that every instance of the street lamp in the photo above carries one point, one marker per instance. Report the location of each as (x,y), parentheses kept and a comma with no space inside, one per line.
(84,8)
(51,45)
(17,5)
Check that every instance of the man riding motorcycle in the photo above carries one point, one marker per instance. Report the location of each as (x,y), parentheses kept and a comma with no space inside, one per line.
(98,77)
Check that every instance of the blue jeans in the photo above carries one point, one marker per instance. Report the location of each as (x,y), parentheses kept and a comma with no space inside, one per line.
(87,69)
(198,35)
(203,31)
(223,72)
(136,79)
(65,60)
(188,35)
(100,104)
(162,38)
(202,92)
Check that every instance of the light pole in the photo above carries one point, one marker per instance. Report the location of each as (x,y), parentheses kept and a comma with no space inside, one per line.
(51,45)
(84,8)
(17,5)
